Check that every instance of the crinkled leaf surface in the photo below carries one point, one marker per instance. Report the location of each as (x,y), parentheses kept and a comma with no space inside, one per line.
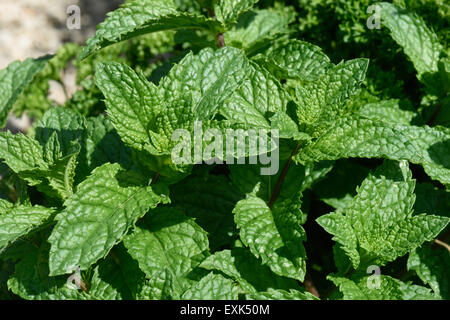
(143,16)
(388,111)
(17,221)
(297,60)
(420,43)
(259,95)
(360,137)
(98,215)
(228,11)
(242,266)
(324,99)
(379,224)
(389,289)
(14,79)
(431,265)
(210,77)
(132,101)
(212,287)
(168,246)
(276,236)
(20,152)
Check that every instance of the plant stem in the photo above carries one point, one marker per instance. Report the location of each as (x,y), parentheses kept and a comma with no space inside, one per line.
(155,178)
(310,286)
(279,183)
(220,38)
(434,115)
(442,243)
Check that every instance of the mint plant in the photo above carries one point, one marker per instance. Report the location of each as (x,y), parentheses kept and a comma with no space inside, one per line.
(133,187)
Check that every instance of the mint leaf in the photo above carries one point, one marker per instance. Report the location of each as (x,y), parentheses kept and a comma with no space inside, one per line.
(227,11)
(103,144)
(296,60)
(279,294)
(243,267)
(132,102)
(106,205)
(210,200)
(359,137)
(20,152)
(324,99)
(275,235)
(259,95)
(210,77)
(17,221)
(379,224)
(387,111)
(420,43)
(31,279)
(430,264)
(69,126)
(256,28)
(14,79)
(212,287)
(58,179)
(139,17)
(390,289)
(168,246)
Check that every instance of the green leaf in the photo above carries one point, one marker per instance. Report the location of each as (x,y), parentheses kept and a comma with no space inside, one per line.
(431,265)
(69,126)
(58,180)
(31,279)
(420,43)
(106,205)
(389,289)
(168,246)
(340,227)
(5,206)
(359,137)
(14,79)
(212,287)
(275,235)
(256,27)
(20,152)
(296,59)
(228,11)
(139,17)
(387,111)
(247,178)
(132,102)
(243,267)
(287,127)
(17,221)
(279,294)
(259,95)
(103,144)
(210,77)
(323,100)
(379,224)
(210,200)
